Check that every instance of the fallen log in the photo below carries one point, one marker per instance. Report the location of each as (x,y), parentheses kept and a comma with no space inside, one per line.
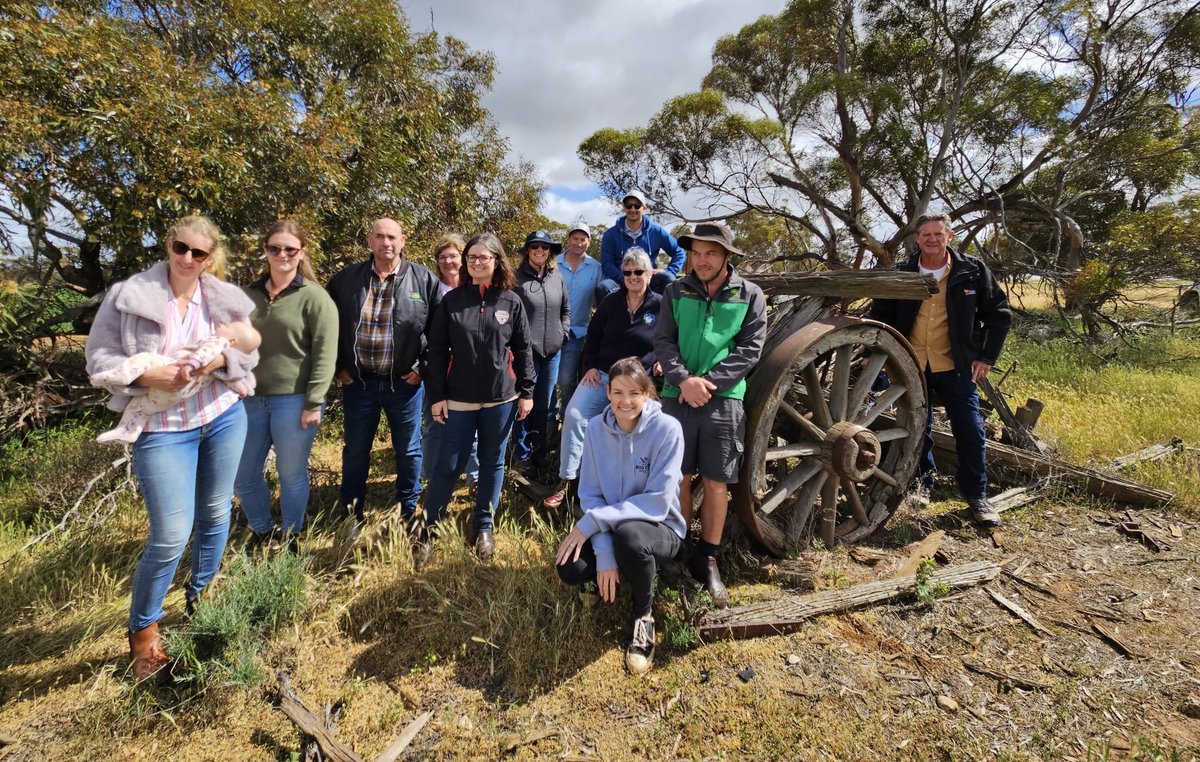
(855,284)
(1148,454)
(1003,460)
(295,710)
(788,614)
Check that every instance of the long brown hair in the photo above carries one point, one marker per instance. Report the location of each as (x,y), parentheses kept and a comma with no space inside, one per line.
(502,276)
(293,228)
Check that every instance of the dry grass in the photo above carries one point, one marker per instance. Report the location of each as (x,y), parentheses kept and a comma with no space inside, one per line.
(502,653)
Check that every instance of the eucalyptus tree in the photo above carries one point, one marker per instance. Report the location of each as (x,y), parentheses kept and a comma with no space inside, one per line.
(849,118)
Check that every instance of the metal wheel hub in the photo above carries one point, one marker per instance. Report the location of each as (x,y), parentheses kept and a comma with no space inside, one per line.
(854,451)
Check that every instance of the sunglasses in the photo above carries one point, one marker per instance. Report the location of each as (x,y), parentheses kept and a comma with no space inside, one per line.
(287,251)
(180,248)
(537,246)
(631,273)
(633,205)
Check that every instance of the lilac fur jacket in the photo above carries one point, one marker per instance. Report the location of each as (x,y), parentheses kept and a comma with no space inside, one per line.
(131,320)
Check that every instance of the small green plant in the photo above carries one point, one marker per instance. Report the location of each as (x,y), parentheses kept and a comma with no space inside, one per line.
(225,637)
(676,630)
(927,589)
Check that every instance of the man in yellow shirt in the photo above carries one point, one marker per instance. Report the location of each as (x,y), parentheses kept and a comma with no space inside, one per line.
(957,335)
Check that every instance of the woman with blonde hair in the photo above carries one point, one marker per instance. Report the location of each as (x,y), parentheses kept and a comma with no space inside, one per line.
(186,457)
(299,326)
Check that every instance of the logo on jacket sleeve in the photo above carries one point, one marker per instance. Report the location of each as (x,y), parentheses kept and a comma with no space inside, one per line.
(501,316)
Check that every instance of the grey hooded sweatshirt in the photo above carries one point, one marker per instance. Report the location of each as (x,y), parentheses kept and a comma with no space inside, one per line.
(630,477)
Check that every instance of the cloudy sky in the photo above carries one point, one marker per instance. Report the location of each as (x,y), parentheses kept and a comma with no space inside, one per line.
(568,68)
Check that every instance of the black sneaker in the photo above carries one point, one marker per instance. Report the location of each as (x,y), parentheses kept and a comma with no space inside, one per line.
(260,542)
(639,657)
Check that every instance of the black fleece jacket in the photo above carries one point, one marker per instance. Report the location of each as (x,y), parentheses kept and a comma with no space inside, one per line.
(479,347)
(976,309)
(613,334)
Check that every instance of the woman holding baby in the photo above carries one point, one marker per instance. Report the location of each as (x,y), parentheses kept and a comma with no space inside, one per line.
(186,456)
(299,327)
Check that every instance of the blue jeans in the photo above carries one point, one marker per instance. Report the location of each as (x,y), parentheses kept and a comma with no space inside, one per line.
(431,445)
(364,401)
(530,434)
(658,284)
(492,425)
(274,420)
(961,398)
(186,480)
(587,403)
(569,360)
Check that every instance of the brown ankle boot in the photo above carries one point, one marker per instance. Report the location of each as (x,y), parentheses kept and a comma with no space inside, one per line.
(146,652)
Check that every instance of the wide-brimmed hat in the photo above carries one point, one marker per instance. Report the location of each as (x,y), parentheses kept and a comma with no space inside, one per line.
(713,232)
(541,236)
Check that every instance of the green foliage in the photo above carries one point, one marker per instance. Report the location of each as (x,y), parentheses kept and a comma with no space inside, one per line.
(331,111)
(852,119)
(927,590)
(225,637)
(675,628)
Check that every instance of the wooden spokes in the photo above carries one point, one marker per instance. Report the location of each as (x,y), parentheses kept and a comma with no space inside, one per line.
(822,459)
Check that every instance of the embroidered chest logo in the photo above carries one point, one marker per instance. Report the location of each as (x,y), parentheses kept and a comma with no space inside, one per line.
(643,465)
(501,316)
(968,292)
(649,318)
(415,296)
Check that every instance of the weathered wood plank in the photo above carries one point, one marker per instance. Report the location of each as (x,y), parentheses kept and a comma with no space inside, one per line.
(788,614)
(856,284)
(1004,459)
(1019,611)
(1148,454)
(925,549)
(1021,436)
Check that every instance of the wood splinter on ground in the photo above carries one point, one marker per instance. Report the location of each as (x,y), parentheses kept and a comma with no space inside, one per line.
(789,613)
(1003,676)
(293,707)
(1019,611)
(926,548)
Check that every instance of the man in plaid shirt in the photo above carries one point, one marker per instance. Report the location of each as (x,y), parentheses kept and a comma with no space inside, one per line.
(384,305)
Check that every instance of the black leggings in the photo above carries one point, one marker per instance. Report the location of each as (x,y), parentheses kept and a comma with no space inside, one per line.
(640,547)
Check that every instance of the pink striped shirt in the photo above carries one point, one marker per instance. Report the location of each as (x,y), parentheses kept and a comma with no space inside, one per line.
(205,405)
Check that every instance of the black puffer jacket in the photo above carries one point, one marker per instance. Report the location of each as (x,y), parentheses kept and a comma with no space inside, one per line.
(546,308)
(976,309)
(479,347)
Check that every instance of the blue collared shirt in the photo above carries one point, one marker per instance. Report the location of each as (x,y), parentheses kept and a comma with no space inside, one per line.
(581,290)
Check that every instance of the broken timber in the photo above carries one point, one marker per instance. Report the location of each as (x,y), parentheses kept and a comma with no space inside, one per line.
(1147,455)
(1022,436)
(787,614)
(291,705)
(1002,458)
(855,284)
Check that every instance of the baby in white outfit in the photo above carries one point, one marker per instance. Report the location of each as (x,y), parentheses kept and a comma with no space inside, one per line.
(190,359)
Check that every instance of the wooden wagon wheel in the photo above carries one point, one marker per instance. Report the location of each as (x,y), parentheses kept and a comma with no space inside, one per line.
(828,452)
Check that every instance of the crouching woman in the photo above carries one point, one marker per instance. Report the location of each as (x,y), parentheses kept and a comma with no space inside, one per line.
(629,492)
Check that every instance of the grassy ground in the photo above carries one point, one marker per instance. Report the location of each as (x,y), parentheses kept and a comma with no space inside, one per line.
(510,663)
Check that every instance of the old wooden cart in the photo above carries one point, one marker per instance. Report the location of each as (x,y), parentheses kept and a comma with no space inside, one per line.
(829,450)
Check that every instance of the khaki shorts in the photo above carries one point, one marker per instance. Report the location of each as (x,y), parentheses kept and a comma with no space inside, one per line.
(713,437)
